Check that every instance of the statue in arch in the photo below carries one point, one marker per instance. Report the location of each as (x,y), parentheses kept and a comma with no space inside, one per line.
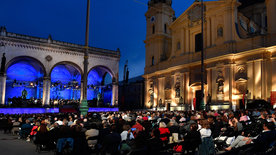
(99,99)
(220,82)
(24,94)
(3,63)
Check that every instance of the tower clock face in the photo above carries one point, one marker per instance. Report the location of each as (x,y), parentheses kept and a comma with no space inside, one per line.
(152,19)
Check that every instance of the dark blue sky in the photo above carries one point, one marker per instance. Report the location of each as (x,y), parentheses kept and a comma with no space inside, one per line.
(113,24)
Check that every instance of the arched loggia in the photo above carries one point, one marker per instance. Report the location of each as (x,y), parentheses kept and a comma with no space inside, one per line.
(65,81)
(24,80)
(99,86)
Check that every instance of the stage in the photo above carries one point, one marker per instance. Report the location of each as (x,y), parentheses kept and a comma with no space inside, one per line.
(48,110)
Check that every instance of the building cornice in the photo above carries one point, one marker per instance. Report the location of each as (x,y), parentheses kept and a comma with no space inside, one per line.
(162,70)
(53,45)
(28,45)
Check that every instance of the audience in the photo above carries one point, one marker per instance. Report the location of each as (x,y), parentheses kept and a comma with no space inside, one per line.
(145,132)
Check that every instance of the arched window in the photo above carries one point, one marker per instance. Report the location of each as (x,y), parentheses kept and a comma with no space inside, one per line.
(220,32)
(165,28)
(152,60)
(178,45)
(198,42)
(153,29)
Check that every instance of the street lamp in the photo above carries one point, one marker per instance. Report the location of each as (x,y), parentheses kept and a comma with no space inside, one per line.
(84,105)
(202,58)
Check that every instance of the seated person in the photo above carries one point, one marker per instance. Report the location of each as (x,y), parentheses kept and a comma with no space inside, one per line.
(192,139)
(25,129)
(154,143)
(261,143)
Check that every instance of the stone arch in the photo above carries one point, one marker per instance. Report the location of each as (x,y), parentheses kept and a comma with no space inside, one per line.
(65,79)
(16,59)
(106,69)
(67,63)
(98,92)
(24,75)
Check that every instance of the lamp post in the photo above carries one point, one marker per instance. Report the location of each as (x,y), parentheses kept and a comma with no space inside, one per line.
(84,105)
(202,58)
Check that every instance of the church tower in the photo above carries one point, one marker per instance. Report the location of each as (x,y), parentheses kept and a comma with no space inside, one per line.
(158,38)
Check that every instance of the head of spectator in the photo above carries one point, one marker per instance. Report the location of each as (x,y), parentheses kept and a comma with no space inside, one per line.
(193,127)
(162,125)
(205,124)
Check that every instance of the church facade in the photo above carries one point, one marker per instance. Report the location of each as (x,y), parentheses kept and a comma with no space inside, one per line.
(239,39)
(46,69)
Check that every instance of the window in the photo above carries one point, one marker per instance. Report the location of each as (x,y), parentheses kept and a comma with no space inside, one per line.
(153,29)
(165,28)
(178,46)
(198,42)
(220,32)
(152,60)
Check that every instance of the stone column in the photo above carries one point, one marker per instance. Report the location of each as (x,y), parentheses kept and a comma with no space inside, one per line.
(173,103)
(231,82)
(209,82)
(214,85)
(228,30)
(182,40)
(227,82)
(250,81)
(182,86)
(46,90)
(81,96)
(187,41)
(258,79)
(213,31)
(271,12)
(114,100)
(268,75)
(186,88)
(161,88)
(155,92)
(146,93)
(2,88)
(208,32)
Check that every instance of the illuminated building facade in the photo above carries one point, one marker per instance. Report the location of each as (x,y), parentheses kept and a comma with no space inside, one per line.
(46,69)
(240,53)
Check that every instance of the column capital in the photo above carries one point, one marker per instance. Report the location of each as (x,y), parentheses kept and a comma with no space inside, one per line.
(46,78)
(115,83)
(3,75)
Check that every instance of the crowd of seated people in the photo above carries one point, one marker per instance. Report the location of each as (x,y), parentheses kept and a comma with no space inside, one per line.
(147,132)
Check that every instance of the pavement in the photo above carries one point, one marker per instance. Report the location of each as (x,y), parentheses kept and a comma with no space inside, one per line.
(11,145)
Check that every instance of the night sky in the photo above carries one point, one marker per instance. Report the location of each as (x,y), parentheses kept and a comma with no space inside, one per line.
(113,24)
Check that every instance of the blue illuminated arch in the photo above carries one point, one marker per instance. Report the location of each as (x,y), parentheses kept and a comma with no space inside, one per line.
(65,81)
(100,82)
(27,73)
(28,58)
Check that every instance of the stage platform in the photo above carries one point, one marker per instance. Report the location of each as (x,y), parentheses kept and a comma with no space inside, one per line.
(48,110)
